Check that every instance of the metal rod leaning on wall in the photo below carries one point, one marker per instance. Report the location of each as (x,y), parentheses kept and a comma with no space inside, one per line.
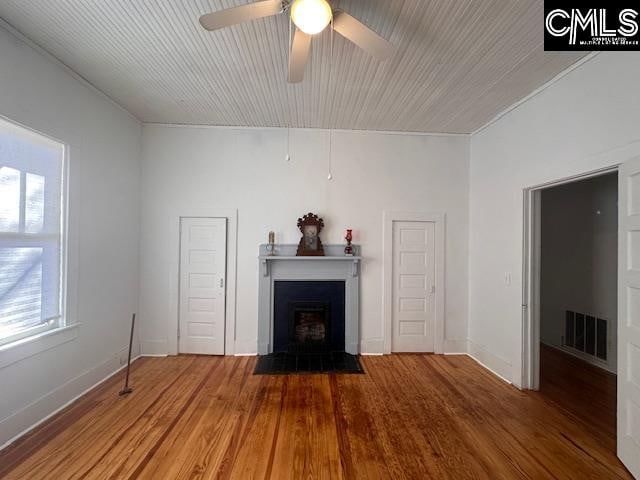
(127,389)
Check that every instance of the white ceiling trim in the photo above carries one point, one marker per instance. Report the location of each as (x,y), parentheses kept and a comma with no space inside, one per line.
(313,129)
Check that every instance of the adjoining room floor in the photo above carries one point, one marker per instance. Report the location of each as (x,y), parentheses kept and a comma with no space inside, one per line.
(584,390)
(409,416)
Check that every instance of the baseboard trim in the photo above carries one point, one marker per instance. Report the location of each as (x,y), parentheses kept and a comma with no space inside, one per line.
(246,347)
(496,365)
(13,427)
(374,346)
(154,347)
(455,347)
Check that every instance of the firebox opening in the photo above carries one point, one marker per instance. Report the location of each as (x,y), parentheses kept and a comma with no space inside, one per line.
(309,329)
(309,317)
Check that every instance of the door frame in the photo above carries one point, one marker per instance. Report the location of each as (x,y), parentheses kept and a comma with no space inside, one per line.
(531,262)
(439,219)
(175,218)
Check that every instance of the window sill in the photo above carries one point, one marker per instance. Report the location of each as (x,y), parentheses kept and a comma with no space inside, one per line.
(27,347)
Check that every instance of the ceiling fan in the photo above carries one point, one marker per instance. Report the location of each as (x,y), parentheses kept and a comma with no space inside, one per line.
(310,17)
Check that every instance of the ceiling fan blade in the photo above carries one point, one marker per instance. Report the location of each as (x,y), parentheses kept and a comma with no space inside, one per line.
(298,56)
(355,31)
(243,13)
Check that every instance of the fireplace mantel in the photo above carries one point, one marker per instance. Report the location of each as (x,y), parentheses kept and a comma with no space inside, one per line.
(285,265)
(265,260)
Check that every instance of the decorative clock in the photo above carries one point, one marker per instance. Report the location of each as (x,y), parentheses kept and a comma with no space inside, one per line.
(310,245)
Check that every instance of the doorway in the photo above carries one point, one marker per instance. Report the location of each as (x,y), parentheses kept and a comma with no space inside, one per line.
(414,273)
(203,245)
(571,297)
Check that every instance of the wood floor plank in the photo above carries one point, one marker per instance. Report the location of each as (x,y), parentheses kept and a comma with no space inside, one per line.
(197,443)
(307,439)
(255,457)
(501,453)
(322,438)
(407,417)
(588,392)
(93,433)
(415,444)
(457,415)
(133,450)
(561,456)
(358,440)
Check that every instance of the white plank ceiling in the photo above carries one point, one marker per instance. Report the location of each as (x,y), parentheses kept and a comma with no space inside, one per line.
(457,64)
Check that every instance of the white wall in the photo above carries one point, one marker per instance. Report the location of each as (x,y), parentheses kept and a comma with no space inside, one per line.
(245,169)
(587,120)
(579,255)
(103,272)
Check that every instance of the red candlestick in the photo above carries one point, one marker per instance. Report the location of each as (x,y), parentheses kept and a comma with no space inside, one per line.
(348,250)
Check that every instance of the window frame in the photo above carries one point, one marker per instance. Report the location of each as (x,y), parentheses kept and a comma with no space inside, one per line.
(59,322)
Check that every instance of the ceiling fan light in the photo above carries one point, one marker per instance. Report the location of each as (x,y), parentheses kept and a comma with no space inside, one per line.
(311,16)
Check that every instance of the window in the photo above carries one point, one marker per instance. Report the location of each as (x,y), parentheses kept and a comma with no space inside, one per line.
(31,233)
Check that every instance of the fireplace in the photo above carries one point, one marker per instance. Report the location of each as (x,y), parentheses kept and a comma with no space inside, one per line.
(308,311)
(309,316)
(286,281)
(309,325)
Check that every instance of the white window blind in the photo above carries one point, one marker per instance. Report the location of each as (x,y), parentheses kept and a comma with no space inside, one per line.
(31,227)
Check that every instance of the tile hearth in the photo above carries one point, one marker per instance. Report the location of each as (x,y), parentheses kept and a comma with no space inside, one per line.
(286,363)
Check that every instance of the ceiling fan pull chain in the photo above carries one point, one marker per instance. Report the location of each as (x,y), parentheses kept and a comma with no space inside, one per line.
(330,176)
(288,155)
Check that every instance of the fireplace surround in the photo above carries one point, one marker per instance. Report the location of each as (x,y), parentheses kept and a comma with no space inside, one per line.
(324,291)
(308,316)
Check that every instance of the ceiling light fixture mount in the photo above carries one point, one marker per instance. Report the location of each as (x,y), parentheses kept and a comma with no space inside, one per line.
(311,16)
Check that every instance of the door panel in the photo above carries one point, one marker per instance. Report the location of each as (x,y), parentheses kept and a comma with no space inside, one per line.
(629,317)
(413,287)
(202,285)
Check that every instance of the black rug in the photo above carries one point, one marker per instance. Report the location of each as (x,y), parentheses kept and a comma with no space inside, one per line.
(285,363)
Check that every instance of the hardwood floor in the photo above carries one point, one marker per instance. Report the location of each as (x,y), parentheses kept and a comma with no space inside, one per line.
(408,417)
(584,390)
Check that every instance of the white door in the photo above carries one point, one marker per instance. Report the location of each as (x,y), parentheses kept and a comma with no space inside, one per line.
(413,287)
(203,245)
(629,317)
